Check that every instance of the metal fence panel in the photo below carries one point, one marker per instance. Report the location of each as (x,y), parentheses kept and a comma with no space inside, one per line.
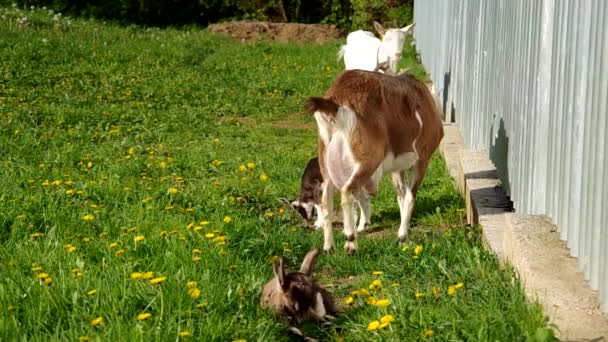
(528,81)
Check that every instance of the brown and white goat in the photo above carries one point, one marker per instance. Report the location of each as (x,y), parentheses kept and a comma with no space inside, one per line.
(371,124)
(311,189)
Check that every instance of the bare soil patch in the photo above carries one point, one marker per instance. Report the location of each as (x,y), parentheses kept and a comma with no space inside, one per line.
(278,32)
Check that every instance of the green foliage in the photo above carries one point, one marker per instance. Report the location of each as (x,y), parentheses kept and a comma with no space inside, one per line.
(346,14)
(121,154)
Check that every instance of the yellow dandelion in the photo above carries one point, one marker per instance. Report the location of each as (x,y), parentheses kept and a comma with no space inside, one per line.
(70,248)
(46,183)
(215,140)
(372,300)
(113,244)
(242,168)
(157,280)
(143,316)
(383,302)
(196,251)
(373,326)
(36,235)
(97,321)
(191,284)
(48,281)
(418,249)
(56,182)
(251,165)
(227,219)
(459,285)
(216,163)
(42,275)
(162,165)
(88,217)
(194,292)
(428,333)
(36,269)
(172,191)
(396,285)
(364,292)
(451,290)
(263,177)
(184,333)
(419,295)
(137,276)
(435,291)
(377,273)
(148,275)
(375,285)
(146,200)
(139,238)
(405,248)
(387,319)
(239,340)
(103,235)
(349,300)
(119,252)
(196,258)
(383,325)
(84,339)
(70,192)
(92,292)
(355,293)
(202,306)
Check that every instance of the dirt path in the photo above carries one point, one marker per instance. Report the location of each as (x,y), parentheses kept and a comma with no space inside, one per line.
(278,32)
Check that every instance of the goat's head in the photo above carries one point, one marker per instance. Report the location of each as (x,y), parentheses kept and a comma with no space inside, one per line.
(303,208)
(392,44)
(298,287)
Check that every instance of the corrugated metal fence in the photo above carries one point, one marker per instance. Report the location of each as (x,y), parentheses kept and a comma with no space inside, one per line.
(528,81)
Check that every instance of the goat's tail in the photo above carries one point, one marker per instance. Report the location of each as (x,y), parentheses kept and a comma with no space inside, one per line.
(341,52)
(321,104)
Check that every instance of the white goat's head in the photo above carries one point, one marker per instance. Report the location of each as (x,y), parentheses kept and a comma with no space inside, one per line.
(392,44)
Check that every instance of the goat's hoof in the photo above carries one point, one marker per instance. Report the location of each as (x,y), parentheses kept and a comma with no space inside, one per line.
(329,249)
(402,240)
(362,229)
(350,247)
(330,318)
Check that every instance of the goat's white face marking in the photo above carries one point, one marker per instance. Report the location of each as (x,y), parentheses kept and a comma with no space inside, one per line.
(390,50)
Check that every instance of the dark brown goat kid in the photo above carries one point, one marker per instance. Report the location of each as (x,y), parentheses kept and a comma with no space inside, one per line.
(296,295)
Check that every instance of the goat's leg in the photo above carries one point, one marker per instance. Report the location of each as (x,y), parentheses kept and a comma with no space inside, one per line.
(319,222)
(403,182)
(366,211)
(348,210)
(327,211)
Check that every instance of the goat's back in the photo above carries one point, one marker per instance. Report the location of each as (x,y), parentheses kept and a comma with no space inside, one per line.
(388,107)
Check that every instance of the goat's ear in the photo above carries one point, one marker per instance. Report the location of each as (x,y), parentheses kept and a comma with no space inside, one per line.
(308,263)
(408,29)
(327,106)
(279,271)
(379,28)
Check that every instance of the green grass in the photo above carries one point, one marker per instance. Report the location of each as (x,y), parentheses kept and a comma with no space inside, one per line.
(102,122)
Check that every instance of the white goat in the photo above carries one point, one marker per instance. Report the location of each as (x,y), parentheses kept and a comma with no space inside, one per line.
(365,52)
(370,124)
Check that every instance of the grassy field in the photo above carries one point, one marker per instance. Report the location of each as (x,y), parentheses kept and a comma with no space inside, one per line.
(139,174)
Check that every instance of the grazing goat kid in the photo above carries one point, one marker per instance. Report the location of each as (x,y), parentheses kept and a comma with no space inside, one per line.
(371,124)
(296,296)
(311,189)
(366,52)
